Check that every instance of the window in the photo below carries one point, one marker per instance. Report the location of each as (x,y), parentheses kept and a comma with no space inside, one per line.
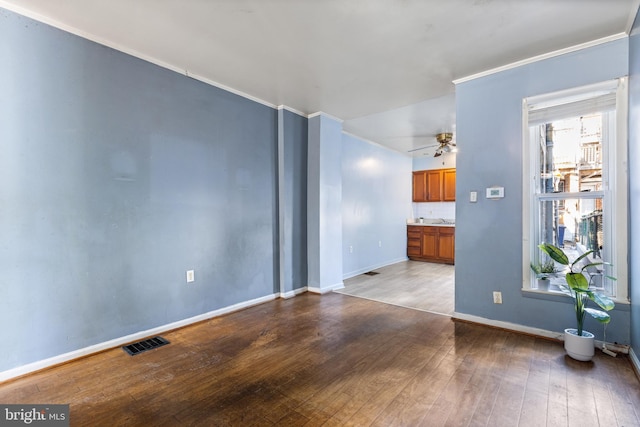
(575,180)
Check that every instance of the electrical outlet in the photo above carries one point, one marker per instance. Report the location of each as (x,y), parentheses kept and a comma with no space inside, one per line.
(497,297)
(379,243)
(350,249)
(190,276)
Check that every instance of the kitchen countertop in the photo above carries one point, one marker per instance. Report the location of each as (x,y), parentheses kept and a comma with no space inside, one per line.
(434,223)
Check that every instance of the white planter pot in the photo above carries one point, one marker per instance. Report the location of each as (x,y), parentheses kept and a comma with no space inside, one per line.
(543,284)
(579,347)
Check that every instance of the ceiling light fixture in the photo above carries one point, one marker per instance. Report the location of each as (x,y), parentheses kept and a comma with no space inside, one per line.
(444,145)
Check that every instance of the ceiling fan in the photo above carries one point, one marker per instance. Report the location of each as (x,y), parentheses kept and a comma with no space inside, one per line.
(445,144)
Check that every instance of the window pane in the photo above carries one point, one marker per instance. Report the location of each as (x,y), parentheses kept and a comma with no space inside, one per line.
(571,155)
(576,226)
(571,222)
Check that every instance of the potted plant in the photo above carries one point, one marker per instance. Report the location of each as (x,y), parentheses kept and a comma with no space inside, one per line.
(543,271)
(578,343)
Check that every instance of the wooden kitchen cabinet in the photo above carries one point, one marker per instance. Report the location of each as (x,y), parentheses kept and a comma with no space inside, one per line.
(420,186)
(429,242)
(414,242)
(449,185)
(436,185)
(434,244)
(446,243)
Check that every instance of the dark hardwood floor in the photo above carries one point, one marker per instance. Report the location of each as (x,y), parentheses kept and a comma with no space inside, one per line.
(339,360)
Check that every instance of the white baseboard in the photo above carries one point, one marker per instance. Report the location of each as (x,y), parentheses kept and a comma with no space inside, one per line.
(509,326)
(56,360)
(618,348)
(326,289)
(634,361)
(373,267)
(293,293)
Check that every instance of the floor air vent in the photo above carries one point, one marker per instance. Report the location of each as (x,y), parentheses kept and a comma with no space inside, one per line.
(371,273)
(145,345)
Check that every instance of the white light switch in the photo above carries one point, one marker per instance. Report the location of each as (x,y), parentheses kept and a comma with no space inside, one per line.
(473,197)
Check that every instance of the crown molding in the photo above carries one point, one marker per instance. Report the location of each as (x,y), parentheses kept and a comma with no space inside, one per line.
(541,57)
(292,110)
(323,114)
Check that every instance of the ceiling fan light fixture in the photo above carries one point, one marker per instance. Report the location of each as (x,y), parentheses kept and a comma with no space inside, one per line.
(446,145)
(450,149)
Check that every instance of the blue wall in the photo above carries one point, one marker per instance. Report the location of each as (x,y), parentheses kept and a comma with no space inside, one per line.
(376,202)
(634,184)
(489,233)
(117,176)
(324,200)
(293,201)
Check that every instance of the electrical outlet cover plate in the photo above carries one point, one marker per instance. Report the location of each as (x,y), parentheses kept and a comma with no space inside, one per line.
(190,276)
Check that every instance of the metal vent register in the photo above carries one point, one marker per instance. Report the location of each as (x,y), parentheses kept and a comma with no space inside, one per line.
(145,345)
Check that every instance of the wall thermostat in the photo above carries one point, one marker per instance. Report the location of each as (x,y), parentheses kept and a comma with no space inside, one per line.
(495,193)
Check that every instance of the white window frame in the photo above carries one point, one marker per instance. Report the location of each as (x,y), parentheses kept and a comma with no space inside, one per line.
(615,172)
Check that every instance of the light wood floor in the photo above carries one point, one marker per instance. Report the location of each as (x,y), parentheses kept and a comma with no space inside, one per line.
(420,285)
(338,360)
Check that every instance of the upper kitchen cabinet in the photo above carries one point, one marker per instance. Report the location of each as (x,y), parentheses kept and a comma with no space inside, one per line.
(420,186)
(448,185)
(437,185)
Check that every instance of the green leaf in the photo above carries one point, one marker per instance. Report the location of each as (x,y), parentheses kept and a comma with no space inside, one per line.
(593,264)
(599,315)
(602,300)
(555,253)
(536,268)
(577,282)
(584,255)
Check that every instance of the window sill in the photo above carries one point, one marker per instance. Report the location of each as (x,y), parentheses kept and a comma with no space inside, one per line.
(621,305)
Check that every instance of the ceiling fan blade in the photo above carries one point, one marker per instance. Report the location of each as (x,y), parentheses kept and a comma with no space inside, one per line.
(421,148)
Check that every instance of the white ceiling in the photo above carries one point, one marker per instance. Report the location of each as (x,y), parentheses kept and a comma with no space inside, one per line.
(383,66)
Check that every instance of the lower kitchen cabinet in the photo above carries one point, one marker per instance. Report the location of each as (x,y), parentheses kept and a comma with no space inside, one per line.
(414,242)
(435,244)
(446,244)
